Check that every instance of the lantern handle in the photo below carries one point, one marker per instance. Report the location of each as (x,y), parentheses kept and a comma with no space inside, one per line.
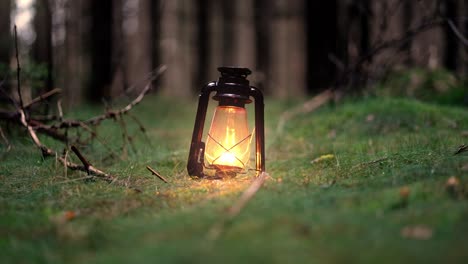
(259,129)
(197,147)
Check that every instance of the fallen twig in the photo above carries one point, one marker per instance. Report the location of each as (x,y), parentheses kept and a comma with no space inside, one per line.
(363,164)
(137,100)
(219,227)
(5,139)
(461,149)
(156,174)
(59,109)
(42,97)
(33,125)
(82,158)
(307,107)
(457,32)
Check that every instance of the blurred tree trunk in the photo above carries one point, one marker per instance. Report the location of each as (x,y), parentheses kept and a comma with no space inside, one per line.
(137,50)
(451,48)
(286,70)
(5,37)
(427,48)
(157,7)
(322,33)
(262,40)
(456,52)
(74,69)
(389,21)
(101,50)
(462,60)
(119,81)
(243,38)
(226,36)
(42,48)
(215,43)
(178,48)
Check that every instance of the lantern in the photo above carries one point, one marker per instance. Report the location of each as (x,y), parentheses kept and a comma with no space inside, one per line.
(227,148)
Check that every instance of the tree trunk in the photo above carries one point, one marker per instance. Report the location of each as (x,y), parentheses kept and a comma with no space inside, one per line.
(5,37)
(73,69)
(387,23)
(101,50)
(461,53)
(286,73)
(137,50)
(42,49)
(243,42)
(178,51)
(215,46)
(427,48)
(262,51)
(322,33)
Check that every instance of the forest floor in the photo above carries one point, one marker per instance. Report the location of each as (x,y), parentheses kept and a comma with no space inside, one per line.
(363,181)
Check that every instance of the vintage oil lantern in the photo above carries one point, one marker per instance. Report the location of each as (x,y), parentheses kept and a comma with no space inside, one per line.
(227,149)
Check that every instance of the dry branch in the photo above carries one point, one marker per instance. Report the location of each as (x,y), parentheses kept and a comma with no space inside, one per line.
(457,32)
(461,149)
(306,107)
(218,228)
(372,162)
(157,174)
(35,125)
(5,139)
(43,97)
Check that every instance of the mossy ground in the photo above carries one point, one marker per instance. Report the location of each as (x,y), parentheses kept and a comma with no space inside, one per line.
(343,208)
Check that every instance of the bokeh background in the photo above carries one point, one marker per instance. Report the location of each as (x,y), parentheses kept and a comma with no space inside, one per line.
(95,50)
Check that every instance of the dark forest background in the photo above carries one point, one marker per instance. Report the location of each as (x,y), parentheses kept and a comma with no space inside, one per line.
(96,50)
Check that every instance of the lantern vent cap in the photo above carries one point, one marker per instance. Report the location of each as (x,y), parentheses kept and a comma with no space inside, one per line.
(238,72)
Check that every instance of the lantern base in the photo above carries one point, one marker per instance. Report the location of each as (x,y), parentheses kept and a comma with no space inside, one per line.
(223,171)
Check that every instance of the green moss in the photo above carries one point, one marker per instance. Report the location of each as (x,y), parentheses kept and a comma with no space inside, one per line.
(342,209)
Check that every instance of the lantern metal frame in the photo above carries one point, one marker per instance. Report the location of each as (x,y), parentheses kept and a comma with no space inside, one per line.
(232,89)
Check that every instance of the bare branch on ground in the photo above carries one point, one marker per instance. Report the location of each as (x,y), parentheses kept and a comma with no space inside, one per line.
(219,228)
(157,174)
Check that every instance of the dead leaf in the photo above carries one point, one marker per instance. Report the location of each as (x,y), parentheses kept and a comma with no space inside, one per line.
(69,215)
(404,199)
(332,134)
(419,232)
(64,217)
(404,192)
(453,186)
(464,133)
(370,118)
(452,181)
(322,158)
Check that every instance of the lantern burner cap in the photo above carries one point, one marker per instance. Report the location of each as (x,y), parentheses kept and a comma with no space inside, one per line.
(226,171)
(233,86)
(234,72)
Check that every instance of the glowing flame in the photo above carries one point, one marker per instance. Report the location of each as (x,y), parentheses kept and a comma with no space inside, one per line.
(227,158)
(228,139)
